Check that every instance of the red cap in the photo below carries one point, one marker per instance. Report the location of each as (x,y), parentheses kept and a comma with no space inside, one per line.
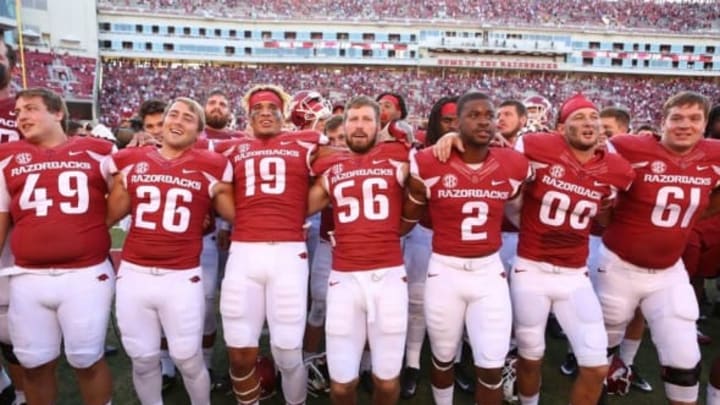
(573,104)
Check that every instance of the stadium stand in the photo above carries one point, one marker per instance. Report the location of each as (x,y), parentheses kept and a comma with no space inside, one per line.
(623,14)
(127,83)
(71,76)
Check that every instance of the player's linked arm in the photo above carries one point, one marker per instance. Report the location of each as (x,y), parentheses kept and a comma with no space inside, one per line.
(5,223)
(118,201)
(224,201)
(714,206)
(414,204)
(318,197)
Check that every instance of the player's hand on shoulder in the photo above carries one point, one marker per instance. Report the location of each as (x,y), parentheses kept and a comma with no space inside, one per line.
(444,146)
(142,139)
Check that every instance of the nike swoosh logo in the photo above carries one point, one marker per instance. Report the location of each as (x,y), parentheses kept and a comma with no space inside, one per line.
(519,270)
(285,143)
(186,171)
(333,283)
(701,168)
(601,271)
(599,184)
(430,275)
(496,182)
(377,162)
(75,152)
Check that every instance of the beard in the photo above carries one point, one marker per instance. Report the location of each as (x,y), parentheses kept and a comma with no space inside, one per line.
(216,121)
(356,145)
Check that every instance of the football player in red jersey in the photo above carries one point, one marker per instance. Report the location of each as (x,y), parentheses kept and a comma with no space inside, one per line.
(640,260)
(267,271)
(53,182)
(367,296)
(168,191)
(574,181)
(8,133)
(466,282)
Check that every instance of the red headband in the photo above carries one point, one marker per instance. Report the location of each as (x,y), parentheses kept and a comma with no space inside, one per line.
(394,100)
(265,95)
(573,104)
(448,109)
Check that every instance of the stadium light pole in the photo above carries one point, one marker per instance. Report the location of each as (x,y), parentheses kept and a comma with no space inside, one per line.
(21,48)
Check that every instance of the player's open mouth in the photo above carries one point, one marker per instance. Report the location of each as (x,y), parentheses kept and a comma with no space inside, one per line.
(176,132)
(25,127)
(266,123)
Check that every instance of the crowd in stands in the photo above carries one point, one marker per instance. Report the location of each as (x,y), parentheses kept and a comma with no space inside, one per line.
(69,75)
(669,16)
(126,84)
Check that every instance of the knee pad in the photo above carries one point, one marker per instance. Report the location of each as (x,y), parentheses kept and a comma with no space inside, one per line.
(287,359)
(682,377)
(192,366)
(144,365)
(318,310)
(84,359)
(530,321)
(7,351)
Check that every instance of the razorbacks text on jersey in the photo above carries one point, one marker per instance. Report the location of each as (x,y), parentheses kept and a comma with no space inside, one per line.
(48,191)
(171,200)
(558,207)
(479,194)
(652,221)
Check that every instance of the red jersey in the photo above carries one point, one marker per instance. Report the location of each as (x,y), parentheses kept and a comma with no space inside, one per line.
(170,200)
(652,221)
(220,134)
(56,198)
(366,193)
(558,207)
(8,126)
(466,204)
(272,178)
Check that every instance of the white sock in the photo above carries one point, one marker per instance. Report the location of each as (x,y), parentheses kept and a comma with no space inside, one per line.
(20,397)
(207,356)
(713,395)
(443,396)
(533,400)
(628,350)
(4,380)
(166,364)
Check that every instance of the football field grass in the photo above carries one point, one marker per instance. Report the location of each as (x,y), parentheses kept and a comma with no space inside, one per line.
(555,386)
